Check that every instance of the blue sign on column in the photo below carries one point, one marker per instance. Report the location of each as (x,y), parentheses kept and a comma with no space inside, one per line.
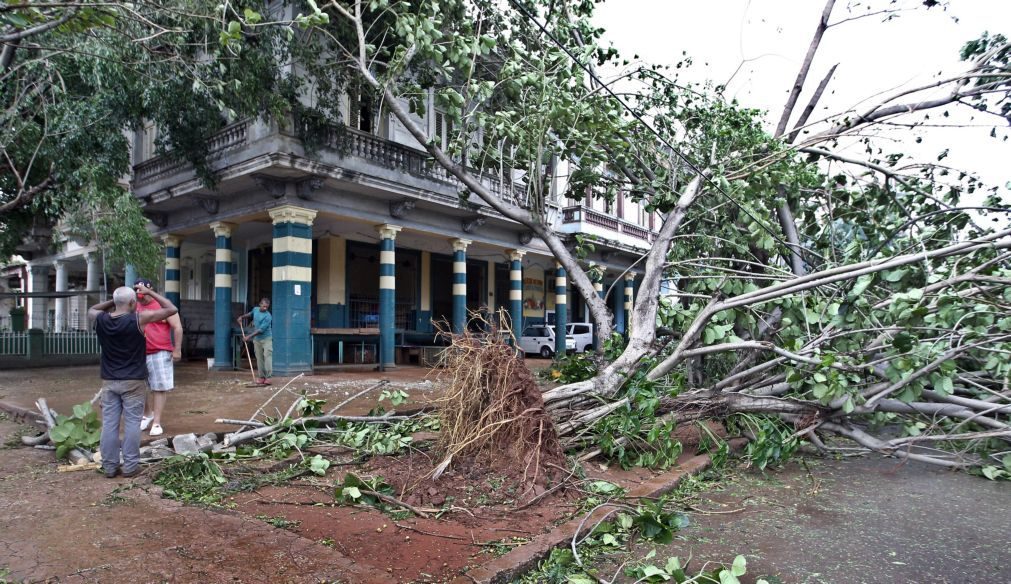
(291,289)
(222,295)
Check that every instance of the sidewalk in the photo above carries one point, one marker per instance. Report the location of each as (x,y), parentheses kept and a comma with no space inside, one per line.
(201,396)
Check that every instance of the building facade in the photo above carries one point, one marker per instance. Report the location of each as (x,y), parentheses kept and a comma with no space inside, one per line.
(364,246)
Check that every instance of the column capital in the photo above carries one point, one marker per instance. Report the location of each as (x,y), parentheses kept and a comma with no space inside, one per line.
(516,255)
(292,214)
(460,244)
(559,266)
(629,277)
(596,272)
(222,229)
(60,264)
(171,240)
(388,230)
(37,269)
(91,257)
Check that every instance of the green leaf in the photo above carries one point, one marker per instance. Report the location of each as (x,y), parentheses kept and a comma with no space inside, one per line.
(579,579)
(739,568)
(894,275)
(651,571)
(351,493)
(603,487)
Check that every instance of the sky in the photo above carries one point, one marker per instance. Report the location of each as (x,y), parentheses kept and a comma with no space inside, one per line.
(768,39)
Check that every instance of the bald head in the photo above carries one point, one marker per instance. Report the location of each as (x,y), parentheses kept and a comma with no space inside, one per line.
(124,298)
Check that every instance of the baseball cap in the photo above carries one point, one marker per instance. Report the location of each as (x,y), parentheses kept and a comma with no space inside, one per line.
(143,281)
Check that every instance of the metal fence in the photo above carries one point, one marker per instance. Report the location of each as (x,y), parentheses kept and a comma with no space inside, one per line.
(14,344)
(364,313)
(71,343)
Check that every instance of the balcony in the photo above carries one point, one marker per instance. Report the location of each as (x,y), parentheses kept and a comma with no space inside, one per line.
(343,147)
(582,219)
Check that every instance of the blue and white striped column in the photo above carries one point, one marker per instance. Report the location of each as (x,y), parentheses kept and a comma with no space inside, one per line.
(516,291)
(561,310)
(172,256)
(597,275)
(629,301)
(387,294)
(222,295)
(460,284)
(291,289)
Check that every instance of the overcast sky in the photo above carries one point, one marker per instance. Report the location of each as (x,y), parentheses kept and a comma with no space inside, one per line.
(771,37)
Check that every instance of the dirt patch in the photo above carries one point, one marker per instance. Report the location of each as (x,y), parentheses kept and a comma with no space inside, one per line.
(81,527)
(478,519)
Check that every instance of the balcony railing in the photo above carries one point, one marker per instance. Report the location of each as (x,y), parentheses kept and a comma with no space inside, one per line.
(580,213)
(350,142)
(390,154)
(230,137)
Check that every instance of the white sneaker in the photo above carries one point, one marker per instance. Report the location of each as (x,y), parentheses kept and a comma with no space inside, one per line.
(156,430)
(145,422)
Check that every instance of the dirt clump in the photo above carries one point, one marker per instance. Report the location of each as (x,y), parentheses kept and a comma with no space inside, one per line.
(492,415)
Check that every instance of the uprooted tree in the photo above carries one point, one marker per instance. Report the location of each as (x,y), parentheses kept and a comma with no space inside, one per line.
(818,293)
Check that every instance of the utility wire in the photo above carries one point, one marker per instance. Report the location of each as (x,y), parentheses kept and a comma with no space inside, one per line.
(694,167)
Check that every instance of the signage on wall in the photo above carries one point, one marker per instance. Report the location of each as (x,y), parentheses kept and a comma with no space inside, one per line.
(533,291)
(298,289)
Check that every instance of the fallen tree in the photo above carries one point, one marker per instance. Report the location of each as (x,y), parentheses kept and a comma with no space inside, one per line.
(818,293)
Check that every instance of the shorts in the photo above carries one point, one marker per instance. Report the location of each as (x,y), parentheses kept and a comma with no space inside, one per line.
(159,371)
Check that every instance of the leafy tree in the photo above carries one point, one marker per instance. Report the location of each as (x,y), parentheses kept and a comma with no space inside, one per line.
(77,76)
(818,293)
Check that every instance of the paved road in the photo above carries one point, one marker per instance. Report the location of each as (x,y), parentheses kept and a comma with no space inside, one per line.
(866,520)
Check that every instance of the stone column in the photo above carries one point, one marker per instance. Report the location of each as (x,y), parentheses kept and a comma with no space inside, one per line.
(629,291)
(516,290)
(129,275)
(94,282)
(222,295)
(460,284)
(172,255)
(561,310)
(38,308)
(61,303)
(291,304)
(387,294)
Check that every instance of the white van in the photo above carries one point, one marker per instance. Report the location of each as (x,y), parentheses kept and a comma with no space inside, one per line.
(540,339)
(582,333)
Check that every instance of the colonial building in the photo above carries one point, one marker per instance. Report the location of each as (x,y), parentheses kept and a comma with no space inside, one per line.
(363,245)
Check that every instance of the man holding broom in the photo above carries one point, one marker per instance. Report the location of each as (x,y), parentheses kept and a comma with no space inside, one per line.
(263,342)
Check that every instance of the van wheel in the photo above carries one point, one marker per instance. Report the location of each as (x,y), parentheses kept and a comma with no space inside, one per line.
(588,349)
(545,352)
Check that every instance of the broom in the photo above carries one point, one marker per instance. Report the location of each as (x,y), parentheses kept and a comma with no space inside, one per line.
(248,356)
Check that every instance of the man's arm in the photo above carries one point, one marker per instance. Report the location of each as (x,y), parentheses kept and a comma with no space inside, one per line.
(177,335)
(99,308)
(167,309)
(244,316)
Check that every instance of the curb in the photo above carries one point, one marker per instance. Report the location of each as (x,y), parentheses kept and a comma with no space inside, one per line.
(520,560)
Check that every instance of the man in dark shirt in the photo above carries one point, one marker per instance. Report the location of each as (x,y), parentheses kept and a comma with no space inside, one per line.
(124,372)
